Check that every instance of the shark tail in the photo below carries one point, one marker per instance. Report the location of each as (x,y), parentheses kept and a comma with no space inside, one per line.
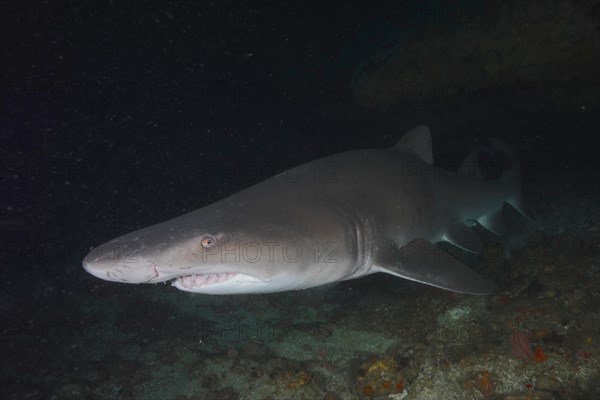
(516,199)
(512,177)
(511,180)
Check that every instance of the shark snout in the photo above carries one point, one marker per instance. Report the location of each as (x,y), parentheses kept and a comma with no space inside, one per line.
(107,265)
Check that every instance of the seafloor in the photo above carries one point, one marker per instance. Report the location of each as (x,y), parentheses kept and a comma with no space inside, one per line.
(536,337)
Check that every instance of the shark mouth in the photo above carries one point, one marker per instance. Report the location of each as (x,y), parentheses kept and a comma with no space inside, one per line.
(200,280)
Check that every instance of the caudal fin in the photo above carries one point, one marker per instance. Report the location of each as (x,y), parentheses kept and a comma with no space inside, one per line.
(512,177)
(499,156)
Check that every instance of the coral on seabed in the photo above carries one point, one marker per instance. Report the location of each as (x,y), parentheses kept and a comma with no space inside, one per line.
(380,376)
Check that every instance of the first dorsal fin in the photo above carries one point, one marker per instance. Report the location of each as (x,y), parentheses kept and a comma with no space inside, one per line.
(417,141)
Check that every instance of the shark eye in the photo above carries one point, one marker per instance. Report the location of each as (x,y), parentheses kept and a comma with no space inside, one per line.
(208,242)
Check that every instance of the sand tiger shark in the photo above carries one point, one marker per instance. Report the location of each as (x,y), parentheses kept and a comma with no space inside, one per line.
(340,217)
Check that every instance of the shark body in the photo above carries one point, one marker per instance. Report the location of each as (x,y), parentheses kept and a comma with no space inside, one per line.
(333,219)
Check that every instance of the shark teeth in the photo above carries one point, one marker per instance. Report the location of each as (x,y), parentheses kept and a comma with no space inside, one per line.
(199,280)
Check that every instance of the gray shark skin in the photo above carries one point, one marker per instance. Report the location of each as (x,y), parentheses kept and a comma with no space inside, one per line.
(333,219)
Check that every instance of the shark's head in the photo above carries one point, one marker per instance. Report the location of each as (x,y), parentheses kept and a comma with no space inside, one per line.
(225,249)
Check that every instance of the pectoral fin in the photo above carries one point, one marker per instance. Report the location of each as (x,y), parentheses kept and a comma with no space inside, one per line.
(423,262)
